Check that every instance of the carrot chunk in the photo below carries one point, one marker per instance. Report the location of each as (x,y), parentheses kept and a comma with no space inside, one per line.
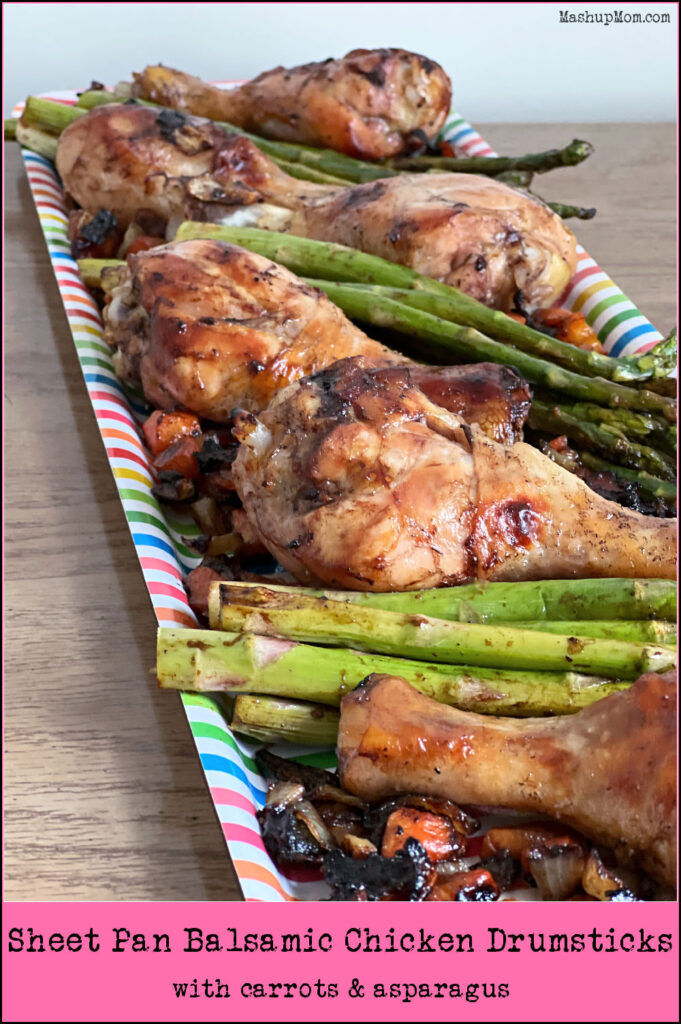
(165,428)
(434,833)
(180,457)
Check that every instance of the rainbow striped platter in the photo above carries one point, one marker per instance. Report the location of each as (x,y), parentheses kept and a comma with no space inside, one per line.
(235,784)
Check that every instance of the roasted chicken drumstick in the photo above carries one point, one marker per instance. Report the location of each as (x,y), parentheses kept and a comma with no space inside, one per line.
(470,231)
(354,478)
(370,104)
(213,327)
(609,771)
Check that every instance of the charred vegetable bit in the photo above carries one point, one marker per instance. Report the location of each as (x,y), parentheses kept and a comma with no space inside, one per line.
(409,875)
(287,837)
(283,770)
(173,488)
(93,235)
(603,880)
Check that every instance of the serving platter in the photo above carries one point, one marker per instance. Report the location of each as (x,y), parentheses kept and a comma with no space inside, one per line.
(236,787)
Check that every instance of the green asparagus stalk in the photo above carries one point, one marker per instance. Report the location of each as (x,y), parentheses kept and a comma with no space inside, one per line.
(567,210)
(207,661)
(48,115)
(300,170)
(648,484)
(516,179)
(470,345)
(36,140)
(633,424)
(277,719)
(10,129)
(314,620)
(97,98)
(459,309)
(538,163)
(638,631)
(94,272)
(540,600)
(311,258)
(659,361)
(667,386)
(603,439)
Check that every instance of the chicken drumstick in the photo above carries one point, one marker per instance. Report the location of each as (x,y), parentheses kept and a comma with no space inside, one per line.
(354,478)
(370,104)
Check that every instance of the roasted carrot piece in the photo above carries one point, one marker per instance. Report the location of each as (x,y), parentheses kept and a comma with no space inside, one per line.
(570,327)
(165,428)
(180,457)
(142,243)
(473,886)
(434,833)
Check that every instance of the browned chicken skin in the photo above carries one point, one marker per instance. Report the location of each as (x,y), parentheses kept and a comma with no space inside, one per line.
(608,771)
(212,327)
(470,231)
(352,477)
(370,104)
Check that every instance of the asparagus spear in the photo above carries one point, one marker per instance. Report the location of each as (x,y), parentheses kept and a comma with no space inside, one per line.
(38,141)
(10,129)
(209,661)
(453,309)
(659,361)
(633,424)
(94,273)
(648,484)
(277,719)
(540,600)
(470,345)
(603,438)
(517,179)
(566,210)
(311,258)
(48,115)
(316,620)
(637,631)
(538,163)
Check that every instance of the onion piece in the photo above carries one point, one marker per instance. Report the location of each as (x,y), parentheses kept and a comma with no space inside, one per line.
(284,794)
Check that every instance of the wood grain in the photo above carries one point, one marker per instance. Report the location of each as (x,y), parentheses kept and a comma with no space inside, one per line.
(104,794)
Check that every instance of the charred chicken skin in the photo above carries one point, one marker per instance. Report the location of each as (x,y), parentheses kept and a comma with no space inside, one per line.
(470,231)
(370,104)
(212,327)
(354,478)
(608,771)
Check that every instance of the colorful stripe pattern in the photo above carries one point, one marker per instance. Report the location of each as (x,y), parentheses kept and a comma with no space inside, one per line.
(236,787)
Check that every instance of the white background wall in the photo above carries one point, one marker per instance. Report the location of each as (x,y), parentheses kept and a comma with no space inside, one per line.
(508,61)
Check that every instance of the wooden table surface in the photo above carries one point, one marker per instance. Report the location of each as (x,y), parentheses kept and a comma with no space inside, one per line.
(104,793)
